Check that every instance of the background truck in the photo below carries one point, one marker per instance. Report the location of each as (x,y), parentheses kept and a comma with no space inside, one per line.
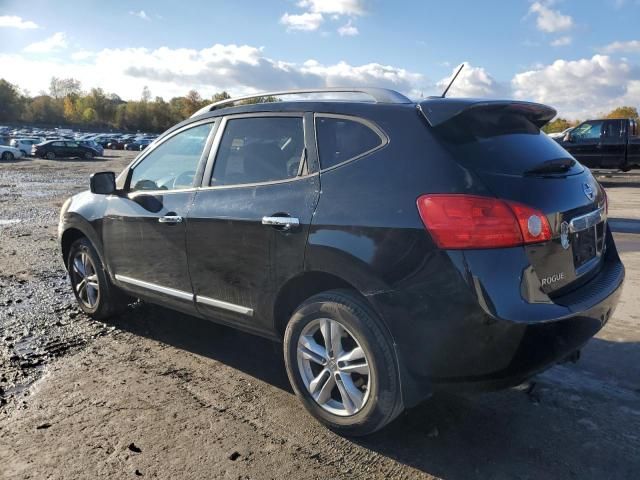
(606,143)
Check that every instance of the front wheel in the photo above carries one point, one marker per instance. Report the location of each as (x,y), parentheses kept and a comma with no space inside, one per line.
(95,293)
(341,364)
(7,156)
(50,156)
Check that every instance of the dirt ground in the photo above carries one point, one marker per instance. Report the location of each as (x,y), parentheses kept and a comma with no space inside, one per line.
(157,394)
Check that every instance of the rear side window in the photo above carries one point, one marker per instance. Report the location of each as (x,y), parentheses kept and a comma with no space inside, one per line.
(612,129)
(259,149)
(341,139)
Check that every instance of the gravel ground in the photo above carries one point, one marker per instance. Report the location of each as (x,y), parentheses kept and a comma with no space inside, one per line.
(158,394)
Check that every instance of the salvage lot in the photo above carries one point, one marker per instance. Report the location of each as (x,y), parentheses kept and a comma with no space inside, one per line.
(159,394)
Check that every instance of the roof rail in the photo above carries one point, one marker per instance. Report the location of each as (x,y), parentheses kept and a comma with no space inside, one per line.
(379,95)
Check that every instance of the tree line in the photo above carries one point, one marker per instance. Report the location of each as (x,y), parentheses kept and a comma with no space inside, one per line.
(67,104)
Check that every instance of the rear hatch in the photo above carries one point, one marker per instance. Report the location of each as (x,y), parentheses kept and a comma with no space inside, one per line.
(502,143)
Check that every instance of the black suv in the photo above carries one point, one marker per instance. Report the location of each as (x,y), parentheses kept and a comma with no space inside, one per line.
(53,149)
(395,248)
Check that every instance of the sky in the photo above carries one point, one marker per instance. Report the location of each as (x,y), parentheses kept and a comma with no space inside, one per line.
(580,56)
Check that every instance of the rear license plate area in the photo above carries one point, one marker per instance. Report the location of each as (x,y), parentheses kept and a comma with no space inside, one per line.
(587,244)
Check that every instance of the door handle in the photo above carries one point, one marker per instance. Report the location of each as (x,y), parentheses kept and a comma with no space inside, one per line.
(281,222)
(170,219)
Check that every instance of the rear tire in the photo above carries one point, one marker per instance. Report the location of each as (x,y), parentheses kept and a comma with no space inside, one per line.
(94,292)
(353,376)
(88,155)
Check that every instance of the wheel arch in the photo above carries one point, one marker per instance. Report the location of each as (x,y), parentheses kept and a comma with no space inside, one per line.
(76,227)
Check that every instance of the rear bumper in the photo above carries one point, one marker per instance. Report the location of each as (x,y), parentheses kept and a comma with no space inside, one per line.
(461,333)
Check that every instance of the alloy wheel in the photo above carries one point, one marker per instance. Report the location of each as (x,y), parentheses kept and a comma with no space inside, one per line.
(334,367)
(85,279)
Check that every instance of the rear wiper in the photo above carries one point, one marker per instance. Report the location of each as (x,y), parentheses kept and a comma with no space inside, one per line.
(559,165)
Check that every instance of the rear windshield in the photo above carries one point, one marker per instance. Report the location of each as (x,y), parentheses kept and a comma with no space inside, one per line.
(499,141)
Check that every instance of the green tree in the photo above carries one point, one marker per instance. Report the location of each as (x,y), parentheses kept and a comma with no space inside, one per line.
(623,112)
(89,115)
(11,102)
(557,125)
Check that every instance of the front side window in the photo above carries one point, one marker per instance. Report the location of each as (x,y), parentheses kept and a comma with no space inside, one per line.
(259,149)
(172,165)
(341,139)
(587,132)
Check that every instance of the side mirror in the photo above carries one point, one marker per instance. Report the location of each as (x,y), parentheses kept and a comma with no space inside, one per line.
(103,183)
(569,138)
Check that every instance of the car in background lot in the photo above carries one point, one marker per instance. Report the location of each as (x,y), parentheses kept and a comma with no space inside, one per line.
(138,144)
(25,144)
(395,248)
(93,144)
(8,153)
(605,143)
(63,149)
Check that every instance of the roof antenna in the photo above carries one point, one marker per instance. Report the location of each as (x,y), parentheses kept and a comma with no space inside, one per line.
(452,80)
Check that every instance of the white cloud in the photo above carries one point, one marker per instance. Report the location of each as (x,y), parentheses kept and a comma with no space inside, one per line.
(13,21)
(473,82)
(562,41)
(338,7)
(239,69)
(55,42)
(141,14)
(82,55)
(632,46)
(581,88)
(549,20)
(305,21)
(348,30)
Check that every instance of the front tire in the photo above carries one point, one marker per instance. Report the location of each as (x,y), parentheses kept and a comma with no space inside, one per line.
(94,292)
(50,156)
(341,364)
(7,156)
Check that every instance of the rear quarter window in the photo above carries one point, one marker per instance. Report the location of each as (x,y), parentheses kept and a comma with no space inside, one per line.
(342,139)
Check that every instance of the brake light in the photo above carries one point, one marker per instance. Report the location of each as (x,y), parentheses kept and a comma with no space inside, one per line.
(470,221)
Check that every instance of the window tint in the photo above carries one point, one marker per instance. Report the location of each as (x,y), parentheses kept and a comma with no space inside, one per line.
(172,165)
(261,149)
(58,144)
(587,132)
(71,144)
(340,139)
(612,129)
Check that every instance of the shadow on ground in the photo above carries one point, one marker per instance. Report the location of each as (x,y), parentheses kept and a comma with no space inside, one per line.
(579,421)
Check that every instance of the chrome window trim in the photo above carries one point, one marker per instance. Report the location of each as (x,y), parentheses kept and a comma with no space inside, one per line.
(211,160)
(212,302)
(384,138)
(156,288)
(588,220)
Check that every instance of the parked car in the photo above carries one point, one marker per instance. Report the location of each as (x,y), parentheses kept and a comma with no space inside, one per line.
(8,153)
(138,145)
(63,149)
(94,145)
(116,144)
(25,144)
(453,245)
(605,143)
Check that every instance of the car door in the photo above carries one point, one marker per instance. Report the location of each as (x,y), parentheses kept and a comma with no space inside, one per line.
(144,226)
(247,230)
(584,143)
(614,145)
(72,149)
(59,149)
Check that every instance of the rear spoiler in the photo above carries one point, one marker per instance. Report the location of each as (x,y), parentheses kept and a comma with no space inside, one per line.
(438,110)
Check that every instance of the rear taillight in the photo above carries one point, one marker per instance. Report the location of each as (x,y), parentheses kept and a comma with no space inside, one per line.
(469,221)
